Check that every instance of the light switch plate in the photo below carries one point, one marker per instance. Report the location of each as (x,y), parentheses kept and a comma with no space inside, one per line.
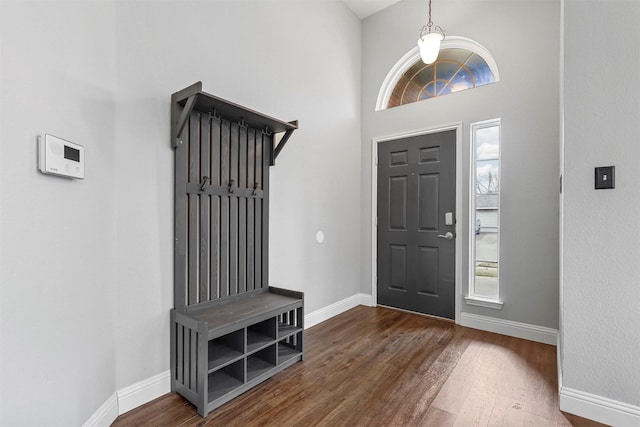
(605,177)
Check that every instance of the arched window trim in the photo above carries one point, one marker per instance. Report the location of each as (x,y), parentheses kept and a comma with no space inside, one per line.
(410,58)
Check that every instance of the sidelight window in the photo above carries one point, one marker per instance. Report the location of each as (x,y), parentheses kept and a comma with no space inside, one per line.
(485,211)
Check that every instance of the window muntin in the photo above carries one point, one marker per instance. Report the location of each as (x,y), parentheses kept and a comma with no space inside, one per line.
(485,210)
(455,70)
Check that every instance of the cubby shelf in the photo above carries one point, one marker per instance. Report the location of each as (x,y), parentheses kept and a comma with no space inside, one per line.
(286,352)
(222,356)
(222,383)
(257,341)
(257,366)
(285,330)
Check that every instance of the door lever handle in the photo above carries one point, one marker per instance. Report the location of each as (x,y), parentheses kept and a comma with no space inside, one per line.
(448,235)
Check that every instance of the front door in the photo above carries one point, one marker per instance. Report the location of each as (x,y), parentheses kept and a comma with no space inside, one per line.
(416,223)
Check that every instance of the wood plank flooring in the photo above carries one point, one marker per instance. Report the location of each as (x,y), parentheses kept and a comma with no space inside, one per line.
(383,367)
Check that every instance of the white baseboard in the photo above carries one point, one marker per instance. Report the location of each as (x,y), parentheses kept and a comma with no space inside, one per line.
(105,415)
(510,328)
(144,391)
(599,408)
(129,398)
(559,362)
(326,313)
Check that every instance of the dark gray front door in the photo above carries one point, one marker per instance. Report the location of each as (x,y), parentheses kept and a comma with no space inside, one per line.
(416,200)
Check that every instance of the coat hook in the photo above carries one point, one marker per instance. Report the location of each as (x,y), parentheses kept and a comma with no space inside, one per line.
(242,123)
(255,189)
(205,179)
(230,185)
(266,131)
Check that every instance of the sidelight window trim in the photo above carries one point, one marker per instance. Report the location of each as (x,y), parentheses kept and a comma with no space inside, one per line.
(473,298)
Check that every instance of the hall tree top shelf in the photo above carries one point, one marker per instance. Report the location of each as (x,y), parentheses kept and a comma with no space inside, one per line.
(193,98)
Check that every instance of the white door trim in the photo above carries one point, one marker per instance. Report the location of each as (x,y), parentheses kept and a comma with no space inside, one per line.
(459,212)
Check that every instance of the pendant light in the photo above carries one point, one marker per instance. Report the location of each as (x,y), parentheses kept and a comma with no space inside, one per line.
(429,40)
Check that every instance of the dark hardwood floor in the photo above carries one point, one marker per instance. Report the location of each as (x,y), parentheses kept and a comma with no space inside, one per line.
(383,367)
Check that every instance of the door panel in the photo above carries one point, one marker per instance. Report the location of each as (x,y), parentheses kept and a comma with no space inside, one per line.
(416,187)
(398,267)
(398,203)
(428,202)
(428,270)
(399,158)
(429,154)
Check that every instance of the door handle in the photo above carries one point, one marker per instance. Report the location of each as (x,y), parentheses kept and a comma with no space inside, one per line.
(448,235)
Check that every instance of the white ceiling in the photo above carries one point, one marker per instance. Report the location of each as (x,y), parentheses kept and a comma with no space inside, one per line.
(364,8)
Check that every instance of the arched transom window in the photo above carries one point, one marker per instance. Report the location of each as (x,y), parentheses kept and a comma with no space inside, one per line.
(453,71)
(462,64)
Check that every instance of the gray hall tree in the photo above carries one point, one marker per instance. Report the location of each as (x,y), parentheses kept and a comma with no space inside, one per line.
(229,329)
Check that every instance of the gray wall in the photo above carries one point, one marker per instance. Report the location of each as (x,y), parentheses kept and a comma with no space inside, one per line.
(73,335)
(601,231)
(57,237)
(259,54)
(526,99)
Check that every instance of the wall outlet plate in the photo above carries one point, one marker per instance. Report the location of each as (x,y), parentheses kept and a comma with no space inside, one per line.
(605,177)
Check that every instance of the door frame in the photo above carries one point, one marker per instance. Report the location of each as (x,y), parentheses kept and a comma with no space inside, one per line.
(459,212)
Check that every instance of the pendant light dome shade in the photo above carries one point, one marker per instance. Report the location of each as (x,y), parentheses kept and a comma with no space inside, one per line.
(429,40)
(429,45)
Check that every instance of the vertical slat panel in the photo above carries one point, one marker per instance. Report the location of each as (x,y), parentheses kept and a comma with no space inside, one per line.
(205,170)
(234,153)
(180,237)
(186,359)
(251,179)
(258,214)
(193,361)
(203,380)
(194,176)
(242,214)
(179,355)
(214,266)
(267,149)
(173,345)
(300,324)
(224,209)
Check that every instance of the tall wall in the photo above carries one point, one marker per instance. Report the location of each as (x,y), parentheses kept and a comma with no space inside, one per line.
(600,282)
(526,99)
(87,266)
(57,236)
(291,60)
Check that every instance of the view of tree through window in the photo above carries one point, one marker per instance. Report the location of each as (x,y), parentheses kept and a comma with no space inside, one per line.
(486,213)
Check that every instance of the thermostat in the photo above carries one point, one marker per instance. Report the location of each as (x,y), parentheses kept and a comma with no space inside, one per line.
(59,157)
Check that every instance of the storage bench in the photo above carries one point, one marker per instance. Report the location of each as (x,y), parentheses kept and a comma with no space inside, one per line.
(238,341)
